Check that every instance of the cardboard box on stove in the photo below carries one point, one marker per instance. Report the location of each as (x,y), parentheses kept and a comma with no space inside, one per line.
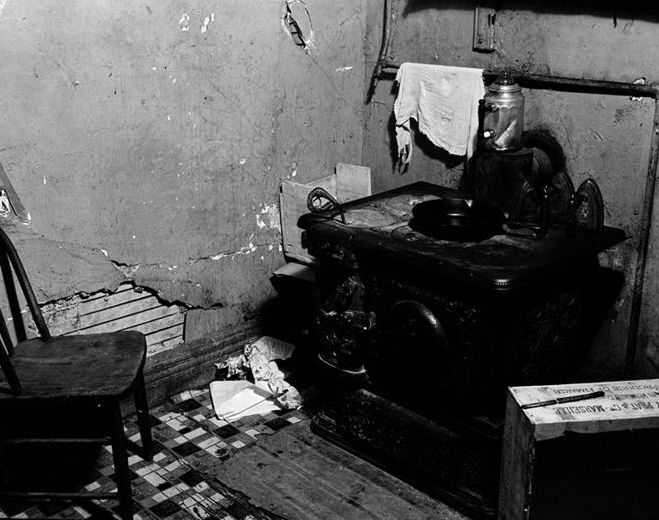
(348,182)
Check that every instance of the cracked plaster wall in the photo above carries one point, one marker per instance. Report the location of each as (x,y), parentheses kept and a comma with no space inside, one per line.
(606,137)
(148,139)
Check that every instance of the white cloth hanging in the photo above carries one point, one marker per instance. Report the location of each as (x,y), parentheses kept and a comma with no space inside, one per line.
(444,102)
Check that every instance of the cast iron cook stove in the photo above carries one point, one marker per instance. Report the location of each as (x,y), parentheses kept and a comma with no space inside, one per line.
(421,392)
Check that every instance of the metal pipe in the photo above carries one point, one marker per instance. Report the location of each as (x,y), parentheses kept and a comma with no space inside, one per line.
(564,83)
(619,88)
(643,243)
(382,55)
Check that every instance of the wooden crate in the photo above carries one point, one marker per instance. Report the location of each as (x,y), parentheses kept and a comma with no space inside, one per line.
(626,405)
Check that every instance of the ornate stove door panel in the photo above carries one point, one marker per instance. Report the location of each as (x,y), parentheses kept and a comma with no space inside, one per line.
(411,356)
(487,341)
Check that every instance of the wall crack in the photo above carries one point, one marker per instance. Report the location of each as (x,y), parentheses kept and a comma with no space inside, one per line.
(72,299)
(130,269)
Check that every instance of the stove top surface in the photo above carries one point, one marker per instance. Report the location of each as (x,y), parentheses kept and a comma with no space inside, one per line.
(381,223)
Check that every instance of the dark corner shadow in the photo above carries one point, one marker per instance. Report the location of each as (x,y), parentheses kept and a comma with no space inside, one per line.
(634,9)
(50,465)
(602,294)
(281,316)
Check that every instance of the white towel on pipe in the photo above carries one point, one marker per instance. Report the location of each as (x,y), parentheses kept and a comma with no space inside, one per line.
(444,102)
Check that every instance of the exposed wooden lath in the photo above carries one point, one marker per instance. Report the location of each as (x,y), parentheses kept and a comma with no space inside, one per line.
(126,309)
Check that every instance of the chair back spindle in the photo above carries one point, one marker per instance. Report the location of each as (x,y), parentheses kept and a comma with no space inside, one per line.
(5,362)
(21,275)
(13,300)
(12,268)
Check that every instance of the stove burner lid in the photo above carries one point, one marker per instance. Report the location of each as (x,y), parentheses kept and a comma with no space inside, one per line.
(455,219)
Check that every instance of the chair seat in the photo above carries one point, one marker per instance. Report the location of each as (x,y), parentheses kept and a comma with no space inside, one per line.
(94,366)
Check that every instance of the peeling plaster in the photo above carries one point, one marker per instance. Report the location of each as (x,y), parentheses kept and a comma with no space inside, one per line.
(206,282)
(639,81)
(131,269)
(184,22)
(60,269)
(131,307)
(207,21)
(268,217)
(245,250)
(222,284)
(302,37)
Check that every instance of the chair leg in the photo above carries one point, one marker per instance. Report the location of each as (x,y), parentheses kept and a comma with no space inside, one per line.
(4,472)
(142,409)
(120,457)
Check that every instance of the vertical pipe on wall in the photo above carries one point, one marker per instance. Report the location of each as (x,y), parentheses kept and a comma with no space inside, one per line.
(643,243)
(384,50)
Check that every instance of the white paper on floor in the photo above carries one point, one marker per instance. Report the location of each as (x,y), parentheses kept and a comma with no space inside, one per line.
(233,400)
(258,358)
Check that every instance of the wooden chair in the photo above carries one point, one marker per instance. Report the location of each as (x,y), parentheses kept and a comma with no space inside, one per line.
(95,371)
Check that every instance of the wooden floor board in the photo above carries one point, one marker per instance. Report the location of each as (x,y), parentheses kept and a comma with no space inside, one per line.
(301,476)
(376,494)
(420,501)
(323,494)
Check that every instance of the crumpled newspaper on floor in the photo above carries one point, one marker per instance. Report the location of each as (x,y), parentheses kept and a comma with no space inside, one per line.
(234,368)
(259,358)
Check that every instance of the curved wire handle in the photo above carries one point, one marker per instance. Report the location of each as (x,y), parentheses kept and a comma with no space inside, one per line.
(320,200)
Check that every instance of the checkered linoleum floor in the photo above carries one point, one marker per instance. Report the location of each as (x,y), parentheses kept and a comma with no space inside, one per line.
(178,484)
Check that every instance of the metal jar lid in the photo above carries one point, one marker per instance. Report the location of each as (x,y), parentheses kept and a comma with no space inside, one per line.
(504,84)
